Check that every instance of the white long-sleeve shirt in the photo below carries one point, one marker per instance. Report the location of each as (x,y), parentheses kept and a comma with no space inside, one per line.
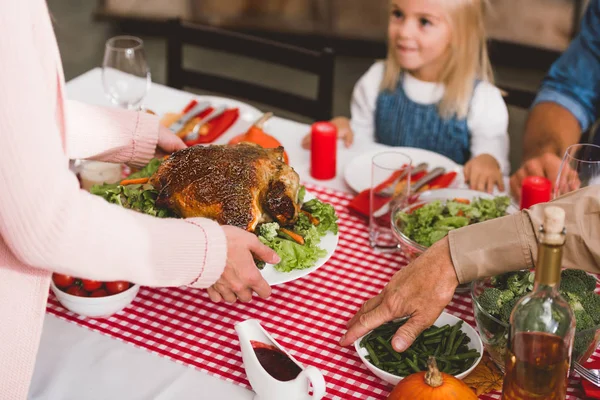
(487,118)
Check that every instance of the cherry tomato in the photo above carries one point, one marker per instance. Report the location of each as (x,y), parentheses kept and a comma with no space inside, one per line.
(116,287)
(99,293)
(77,291)
(62,281)
(90,286)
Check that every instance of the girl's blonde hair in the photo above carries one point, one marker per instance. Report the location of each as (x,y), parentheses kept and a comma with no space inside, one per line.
(468,57)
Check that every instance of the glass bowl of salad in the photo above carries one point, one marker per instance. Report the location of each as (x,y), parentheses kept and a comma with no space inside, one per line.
(433,214)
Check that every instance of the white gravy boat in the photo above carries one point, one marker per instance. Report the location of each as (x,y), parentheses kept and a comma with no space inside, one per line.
(265,385)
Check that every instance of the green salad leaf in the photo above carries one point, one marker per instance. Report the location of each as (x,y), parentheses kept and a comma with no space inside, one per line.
(325,213)
(140,198)
(301,256)
(430,223)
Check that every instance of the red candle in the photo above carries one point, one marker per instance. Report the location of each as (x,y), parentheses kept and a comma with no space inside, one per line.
(536,189)
(323,147)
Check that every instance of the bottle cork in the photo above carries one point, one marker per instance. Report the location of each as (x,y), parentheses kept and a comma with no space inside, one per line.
(554,225)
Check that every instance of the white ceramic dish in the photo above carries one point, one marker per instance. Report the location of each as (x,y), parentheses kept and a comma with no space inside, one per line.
(95,307)
(357,172)
(328,242)
(443,319)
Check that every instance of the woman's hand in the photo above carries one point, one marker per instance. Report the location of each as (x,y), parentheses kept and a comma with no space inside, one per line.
(344,132)
(420,290)
(168,142)
(241,277)
(483,172)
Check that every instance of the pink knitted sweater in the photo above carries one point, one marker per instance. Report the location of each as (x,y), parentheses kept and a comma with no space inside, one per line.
(46,222)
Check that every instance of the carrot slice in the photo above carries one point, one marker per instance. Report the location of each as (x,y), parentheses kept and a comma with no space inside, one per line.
(139,181)
(313,220)
(297,238)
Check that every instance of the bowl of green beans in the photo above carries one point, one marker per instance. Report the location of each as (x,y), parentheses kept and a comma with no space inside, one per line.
(455,344)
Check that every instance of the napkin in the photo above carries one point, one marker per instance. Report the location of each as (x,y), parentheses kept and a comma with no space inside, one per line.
(216,127)
(210,131)
(591,391)
(361,203)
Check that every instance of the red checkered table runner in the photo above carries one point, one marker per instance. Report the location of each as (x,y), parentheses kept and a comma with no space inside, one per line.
(307,316)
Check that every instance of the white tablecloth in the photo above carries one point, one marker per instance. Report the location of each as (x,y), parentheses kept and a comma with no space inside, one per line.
(76,363)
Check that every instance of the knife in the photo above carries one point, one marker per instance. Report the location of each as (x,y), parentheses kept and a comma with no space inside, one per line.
(193,135)
(438,171)
(434,173)
(185,118)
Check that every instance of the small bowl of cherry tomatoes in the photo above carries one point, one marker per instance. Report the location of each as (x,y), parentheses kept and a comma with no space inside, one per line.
(92,298)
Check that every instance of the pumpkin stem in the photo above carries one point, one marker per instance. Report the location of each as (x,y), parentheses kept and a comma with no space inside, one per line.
(433,376)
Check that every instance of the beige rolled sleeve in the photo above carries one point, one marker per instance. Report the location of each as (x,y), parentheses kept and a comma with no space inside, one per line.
(510,243)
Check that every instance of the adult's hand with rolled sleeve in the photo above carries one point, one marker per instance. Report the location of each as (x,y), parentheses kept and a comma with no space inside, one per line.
(421,290)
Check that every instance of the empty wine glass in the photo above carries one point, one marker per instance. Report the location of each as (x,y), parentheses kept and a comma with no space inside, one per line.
(125,71)
(580,168)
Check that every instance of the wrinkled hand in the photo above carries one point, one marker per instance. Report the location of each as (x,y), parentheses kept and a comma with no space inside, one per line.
(421,290)
(547,165)
(168,142)
(344,132)
(241,276)
(483,173)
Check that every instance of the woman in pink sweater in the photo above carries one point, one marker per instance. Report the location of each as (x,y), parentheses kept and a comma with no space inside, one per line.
(48,224)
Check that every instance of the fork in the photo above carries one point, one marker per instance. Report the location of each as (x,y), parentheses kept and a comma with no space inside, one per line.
(591,375)
(193,135)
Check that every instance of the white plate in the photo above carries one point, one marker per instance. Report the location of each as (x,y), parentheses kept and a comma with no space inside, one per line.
(443,319)
(328,242)
(358,171)
(248,115)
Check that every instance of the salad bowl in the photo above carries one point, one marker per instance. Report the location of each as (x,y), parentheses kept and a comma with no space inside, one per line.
(440,222)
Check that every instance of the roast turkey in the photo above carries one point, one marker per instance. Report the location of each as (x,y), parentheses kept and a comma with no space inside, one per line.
(241,185)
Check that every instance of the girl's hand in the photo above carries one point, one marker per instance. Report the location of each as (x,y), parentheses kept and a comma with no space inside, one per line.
(343,132)
(168,142)
(483,172)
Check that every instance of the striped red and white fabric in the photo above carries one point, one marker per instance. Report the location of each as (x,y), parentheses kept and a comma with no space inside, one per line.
(307,316)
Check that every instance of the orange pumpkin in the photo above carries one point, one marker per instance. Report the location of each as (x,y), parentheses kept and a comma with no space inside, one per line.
(257,136)
(431,385)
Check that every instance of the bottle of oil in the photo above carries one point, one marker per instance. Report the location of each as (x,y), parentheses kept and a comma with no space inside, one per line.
(542,325)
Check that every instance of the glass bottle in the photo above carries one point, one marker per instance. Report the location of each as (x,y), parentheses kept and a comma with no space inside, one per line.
(542,325)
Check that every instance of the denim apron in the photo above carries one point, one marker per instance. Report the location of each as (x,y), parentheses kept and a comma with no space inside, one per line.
(399,121)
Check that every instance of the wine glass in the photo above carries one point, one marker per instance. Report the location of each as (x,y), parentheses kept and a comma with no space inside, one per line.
(125,71)
(580,168)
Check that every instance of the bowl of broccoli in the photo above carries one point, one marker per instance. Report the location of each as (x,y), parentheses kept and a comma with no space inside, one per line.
(495,297)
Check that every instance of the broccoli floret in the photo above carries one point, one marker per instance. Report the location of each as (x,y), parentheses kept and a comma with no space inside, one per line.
(583,320)
(521,283)
(581,344)
(492,299)
(572,286)
(269,230)
(589,282)
(507,308)
(591,304)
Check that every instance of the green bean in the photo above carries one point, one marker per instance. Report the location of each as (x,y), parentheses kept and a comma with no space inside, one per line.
(372,354)
(412,365)
(453,333)
(436,331)
(389,348)
(433,341)
(463,356)
(458,343)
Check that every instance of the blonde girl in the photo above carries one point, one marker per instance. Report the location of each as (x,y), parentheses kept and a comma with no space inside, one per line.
(435,90)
